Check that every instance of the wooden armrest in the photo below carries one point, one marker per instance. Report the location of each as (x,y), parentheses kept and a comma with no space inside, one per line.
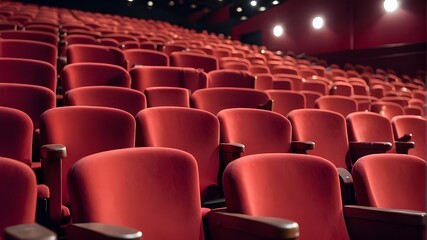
(360,149)
(52,155)
(267,106)
(98,231)
(379,223)
(224,225)
(28,232)
(347,187)
(230,151)
(302,146)
(405,138)
(403,147)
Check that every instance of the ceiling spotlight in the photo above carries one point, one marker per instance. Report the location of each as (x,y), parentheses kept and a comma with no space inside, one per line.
(171,3)
(239,9)
(391,5)
(193,6)
(262,9)
(243,18)
(130,0)
(275,2)
(150,3)
(278,31)
(318,22)
(254,3)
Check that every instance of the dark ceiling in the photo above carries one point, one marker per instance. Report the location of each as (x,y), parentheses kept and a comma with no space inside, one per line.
(189,13)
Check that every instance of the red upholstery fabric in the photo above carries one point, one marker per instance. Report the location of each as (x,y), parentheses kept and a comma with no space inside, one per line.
(192,130)
(85,130)
(310,97)
(285,101)
(28,71)
(16,135)
(146,57)
(31,35)
(231,78)
(284,69)
(145,77)
(216,99)
(370,127)
(18,193)
(326,129)
(154,190)
(31,99)
(80,39)
(167,96)
(93,53)
(342,89)
(298,187)
(92,74)
(415,125)
(263,81)
(387,109)
(28,49)
(261,131)
(391,181)
(295,81)
(316,86)
(129,100)
(340,104)
(194,60)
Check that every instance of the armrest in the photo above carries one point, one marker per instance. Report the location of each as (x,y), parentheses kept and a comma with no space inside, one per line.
(360,149)
(91,231)
(240,226)
(267,106)
(28,232)
(347,187)
(405,138)
(302,146)
(379,223)
(403,147)
(230,151)
(52,155)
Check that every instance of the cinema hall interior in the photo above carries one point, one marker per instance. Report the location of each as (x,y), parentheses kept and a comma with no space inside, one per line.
(213,120)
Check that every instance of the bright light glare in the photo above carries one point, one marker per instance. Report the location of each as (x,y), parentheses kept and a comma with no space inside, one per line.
(318,22)
(150,3)
(390,5)
(239,9)
(253,3)
(243,18)
(275,2)
(278,31)
(262,9)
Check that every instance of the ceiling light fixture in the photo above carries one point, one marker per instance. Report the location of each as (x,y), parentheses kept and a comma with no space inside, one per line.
(278,31)
(275,2)
(243,18)
(391,5)
(239,9)
(254,3)
(262,9)
(318,22)
(150,3)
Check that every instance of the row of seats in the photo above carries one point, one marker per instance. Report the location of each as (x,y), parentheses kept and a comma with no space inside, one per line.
(293,184)
(85,130)
(144,78)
